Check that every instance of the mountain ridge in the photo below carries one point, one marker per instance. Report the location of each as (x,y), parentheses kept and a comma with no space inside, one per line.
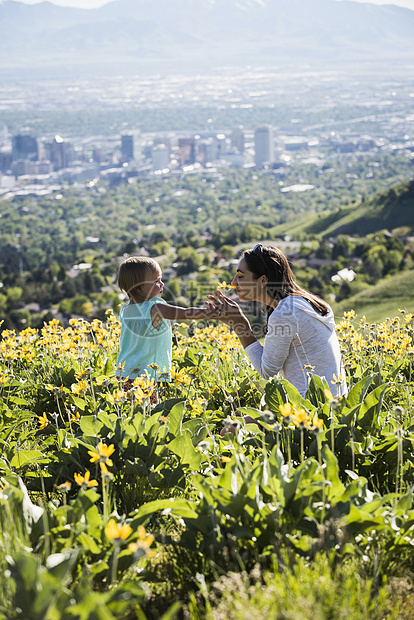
(217,31)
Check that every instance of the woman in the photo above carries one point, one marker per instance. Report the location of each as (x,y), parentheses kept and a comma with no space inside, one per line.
(300,327)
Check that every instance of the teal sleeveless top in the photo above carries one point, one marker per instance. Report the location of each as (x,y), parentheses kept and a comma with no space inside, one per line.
(141,344)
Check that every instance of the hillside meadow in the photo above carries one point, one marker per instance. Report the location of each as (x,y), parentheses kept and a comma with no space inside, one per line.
(117,506)
(380,300)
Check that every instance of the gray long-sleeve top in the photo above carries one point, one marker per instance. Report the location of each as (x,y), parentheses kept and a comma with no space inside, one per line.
(297,335)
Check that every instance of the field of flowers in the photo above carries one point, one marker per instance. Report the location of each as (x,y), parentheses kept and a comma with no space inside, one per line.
(117,504)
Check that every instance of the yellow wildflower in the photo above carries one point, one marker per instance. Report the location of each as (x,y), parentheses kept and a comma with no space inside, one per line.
(65,487)
(102,454)
(286,410)
(301,418)
(226,287)
(143,542)
(180,377)
(3,378)
(225,459)
(117,533)
(118,396)
(43,421)
(79,388)
(84,480)
(317,423)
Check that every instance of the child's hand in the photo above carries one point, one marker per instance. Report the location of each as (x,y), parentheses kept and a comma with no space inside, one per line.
(225,309)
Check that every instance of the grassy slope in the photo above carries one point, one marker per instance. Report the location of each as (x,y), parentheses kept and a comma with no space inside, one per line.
(390,210)
(382,300)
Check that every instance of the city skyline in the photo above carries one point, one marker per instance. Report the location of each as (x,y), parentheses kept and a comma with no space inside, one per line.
(93,4)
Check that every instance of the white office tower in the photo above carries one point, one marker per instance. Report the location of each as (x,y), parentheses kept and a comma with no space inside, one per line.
(263,146)
(160,157)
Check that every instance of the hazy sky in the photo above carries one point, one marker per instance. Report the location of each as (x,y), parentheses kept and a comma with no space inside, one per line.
(92,4)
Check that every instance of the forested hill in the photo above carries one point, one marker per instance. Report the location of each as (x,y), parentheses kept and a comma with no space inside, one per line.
(388,210)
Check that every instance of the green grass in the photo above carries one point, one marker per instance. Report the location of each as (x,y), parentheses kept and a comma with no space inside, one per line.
(302,590)
(382,300)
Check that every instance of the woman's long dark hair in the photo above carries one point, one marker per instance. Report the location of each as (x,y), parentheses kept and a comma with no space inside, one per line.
(272,263)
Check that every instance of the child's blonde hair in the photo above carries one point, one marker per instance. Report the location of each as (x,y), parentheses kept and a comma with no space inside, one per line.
(133,273)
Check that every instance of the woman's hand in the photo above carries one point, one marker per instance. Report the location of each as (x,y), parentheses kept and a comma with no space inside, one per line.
(230,313)
(225,309)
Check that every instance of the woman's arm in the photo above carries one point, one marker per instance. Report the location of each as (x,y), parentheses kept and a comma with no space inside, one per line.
(175,313)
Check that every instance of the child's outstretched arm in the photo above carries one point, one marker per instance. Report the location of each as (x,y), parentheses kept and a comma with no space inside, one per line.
(175,313)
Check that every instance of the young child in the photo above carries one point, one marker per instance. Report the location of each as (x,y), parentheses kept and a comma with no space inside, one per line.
(146,338)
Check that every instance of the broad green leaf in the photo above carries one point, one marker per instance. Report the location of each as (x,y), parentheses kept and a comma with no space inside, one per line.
(370,408)
(59,565)
(357,394)
(26,457)
(17,401)
(316,390)
(183,447)
(230,504)
(179,507)
(23,568)
(336,488)
(197,428)
(175,417)
(79,402)
(359,520)
(88,543)
(152,425)
(90,425)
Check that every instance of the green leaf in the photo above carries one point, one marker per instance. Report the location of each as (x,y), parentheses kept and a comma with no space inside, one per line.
(179,507)
(371,407)
(279,391)
(90,425)
(59,565)
(357,393)
(336,488)
(316,390)
(26,457)
(137,467)
(175,418)
(172,612)
(88,543)
(152,425)
(79,402)
(183,447)
(17,401)
(23,568)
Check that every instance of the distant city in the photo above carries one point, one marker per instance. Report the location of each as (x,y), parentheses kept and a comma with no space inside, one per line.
(344,115)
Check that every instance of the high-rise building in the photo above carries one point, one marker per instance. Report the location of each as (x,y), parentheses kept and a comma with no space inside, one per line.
(59,153)
(207,151)
(21,167)
(263,145)
(127,148)
(160,157)
(186,151)
(25,147)
(237,138)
